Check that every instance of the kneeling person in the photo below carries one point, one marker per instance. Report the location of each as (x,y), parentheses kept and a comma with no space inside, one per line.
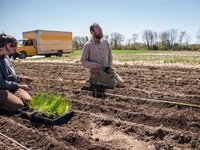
(13,94)
(97,56)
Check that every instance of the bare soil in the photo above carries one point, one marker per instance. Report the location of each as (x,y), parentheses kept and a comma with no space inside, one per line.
(158,109)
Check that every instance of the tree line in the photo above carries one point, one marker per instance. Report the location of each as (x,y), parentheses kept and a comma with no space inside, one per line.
(170,39)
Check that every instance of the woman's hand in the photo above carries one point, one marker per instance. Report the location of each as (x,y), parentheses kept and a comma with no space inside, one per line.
(26,79)
(24,86)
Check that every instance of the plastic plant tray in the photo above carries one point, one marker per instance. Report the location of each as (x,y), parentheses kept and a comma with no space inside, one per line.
(27,113)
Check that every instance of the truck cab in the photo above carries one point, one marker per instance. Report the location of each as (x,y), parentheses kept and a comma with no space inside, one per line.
(26,47)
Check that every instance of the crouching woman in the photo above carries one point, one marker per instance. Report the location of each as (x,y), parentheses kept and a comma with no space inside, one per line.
(13,94)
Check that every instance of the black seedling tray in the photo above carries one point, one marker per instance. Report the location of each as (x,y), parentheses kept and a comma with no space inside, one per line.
(35,116)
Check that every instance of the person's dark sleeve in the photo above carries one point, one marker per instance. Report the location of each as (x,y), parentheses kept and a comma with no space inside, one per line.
(7,85)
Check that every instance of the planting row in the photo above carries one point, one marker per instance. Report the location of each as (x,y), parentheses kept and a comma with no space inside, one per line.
(123,118)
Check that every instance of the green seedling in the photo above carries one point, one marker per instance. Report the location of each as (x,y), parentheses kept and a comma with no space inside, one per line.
(50,105)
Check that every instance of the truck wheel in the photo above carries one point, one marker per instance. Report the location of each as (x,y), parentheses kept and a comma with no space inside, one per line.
(22,55)
(15,55)
(59,54)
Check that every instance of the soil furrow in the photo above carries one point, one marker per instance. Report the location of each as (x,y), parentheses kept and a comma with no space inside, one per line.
(123,118)
(171,121)
(29,137)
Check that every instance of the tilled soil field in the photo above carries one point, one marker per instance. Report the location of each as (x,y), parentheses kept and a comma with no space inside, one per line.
(159,109)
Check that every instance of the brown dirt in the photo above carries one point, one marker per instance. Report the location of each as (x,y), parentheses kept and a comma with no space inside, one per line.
(137,117)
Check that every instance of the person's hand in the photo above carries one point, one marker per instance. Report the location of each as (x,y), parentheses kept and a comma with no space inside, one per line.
(95,71)
(108,70)
(26,79)
(24,86)
(98,67)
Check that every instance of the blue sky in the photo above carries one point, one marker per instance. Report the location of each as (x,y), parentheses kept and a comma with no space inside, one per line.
(122,16)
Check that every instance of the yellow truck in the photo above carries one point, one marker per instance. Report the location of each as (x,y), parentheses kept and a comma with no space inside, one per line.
(44,42)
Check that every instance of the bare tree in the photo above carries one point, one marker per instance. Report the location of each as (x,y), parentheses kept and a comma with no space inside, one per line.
(181,37)
(187,38)
(150,38)
(135,37)
(147,35)
(116,39)
(79,41)
(164,38)
(184,38)
(155,39)
(198,35)
(129,41)
(172,36)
